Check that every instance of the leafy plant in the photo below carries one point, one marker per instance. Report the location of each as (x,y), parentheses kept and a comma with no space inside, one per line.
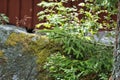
(62,67)
(3,18)
(80,57)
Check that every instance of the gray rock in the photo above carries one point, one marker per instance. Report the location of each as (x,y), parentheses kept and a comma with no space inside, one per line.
(105,37)
(6,30)
(16,65)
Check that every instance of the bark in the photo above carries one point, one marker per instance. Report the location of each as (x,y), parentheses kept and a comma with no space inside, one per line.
(116,67)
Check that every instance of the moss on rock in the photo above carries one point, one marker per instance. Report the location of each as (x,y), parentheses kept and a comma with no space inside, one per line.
(15,38)
(3,59)
(1,53)
(39,46)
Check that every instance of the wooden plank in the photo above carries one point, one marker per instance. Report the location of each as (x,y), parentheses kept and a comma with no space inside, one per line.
(35,11)
(3,6)
(26,13)
(13,10)
(68,4)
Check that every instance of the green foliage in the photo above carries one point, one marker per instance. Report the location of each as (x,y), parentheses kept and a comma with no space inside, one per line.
(63,68)
(55,14)
(108,4)
(80,57)
(3,19)
(93,11)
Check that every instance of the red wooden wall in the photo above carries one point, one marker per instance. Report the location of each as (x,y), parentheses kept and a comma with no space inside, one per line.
(20,11)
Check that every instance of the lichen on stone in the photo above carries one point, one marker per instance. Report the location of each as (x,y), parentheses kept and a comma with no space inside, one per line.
(3,59)
(15,38)
(1,53)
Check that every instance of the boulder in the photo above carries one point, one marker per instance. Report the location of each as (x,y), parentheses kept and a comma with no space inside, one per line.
(19,53)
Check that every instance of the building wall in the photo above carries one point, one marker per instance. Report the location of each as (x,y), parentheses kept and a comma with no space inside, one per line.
(20,11)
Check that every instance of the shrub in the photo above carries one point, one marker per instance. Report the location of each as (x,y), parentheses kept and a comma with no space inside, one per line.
(80,57)
(92,63)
